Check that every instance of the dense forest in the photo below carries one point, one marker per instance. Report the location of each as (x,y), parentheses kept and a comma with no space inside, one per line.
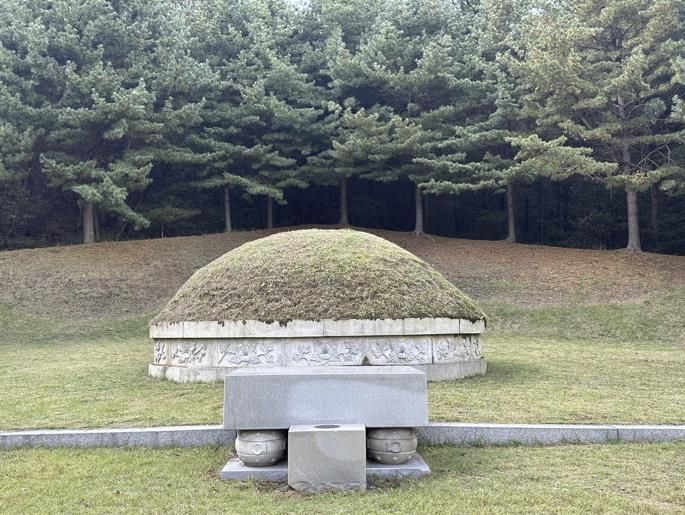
(539,121)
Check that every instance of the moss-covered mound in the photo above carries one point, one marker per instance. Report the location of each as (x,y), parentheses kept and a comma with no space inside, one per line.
(317,274)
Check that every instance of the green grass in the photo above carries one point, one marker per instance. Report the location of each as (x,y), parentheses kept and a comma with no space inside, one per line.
(614,478)
(580,365)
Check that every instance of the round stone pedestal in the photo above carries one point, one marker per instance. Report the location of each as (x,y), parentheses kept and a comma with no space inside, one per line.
(394,446)
(260,448)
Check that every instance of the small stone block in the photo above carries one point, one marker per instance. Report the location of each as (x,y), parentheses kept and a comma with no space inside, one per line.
(280,397)
(327,457)
(415,468)
(236,470)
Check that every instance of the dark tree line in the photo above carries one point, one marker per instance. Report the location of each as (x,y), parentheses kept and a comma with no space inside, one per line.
(531,120)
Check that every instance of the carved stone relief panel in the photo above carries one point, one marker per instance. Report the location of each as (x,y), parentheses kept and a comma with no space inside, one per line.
(449,349)
(329,351)
(243,354)
(189,354)
(160,353)
(399,351)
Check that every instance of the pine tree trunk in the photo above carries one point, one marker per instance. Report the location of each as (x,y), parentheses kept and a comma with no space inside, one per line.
(269,213)
(96,223)
(511,214)
(654,215)
(344,220)
(418,198)
(227,210)
(88,222)
(631,195)
(633,221)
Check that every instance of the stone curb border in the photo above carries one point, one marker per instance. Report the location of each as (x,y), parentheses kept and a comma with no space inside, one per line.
(436,433)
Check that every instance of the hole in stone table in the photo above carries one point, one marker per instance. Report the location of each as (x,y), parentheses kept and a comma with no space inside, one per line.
(327,426)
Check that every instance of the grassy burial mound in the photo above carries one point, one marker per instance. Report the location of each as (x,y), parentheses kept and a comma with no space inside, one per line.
(318,274)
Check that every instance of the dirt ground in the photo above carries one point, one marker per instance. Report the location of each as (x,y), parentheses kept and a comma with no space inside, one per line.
(127,278)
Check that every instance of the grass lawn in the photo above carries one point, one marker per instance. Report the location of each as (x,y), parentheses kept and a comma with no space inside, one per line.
(585,368)
(574,336)
(626,478)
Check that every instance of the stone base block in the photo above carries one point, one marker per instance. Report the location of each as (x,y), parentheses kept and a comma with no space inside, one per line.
(327,457)
(456,370)
(235,470)
(186,374)
(415,468)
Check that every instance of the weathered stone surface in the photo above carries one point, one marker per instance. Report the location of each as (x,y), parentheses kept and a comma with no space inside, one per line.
(293,329)
(315,328)
(468,327)
(451,348)
(279,397)
(166,330)
(454,370)
(653,433)
(236,470)
(325,351)
(214,329)
(181,436)
(244,353)
(186,374)
(505,434)
(161,354)
(436,433)
(211,346)
(260,448)
(391,446)
(415,468)
(327,457)
(363,327)
(193,354)
(400,351)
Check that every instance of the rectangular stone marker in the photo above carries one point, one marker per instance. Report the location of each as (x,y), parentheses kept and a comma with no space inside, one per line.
(327,457)
(280,397)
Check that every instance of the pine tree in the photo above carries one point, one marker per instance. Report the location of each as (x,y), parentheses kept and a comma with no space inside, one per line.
(264,118)
(603,75)
(78,70)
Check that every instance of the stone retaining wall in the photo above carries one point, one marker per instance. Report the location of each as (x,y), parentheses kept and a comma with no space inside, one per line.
(205,351)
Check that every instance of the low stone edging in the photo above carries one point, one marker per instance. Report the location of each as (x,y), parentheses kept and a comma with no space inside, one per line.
(170,436)
(436,433)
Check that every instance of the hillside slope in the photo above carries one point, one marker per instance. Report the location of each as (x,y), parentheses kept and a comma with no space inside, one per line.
(108,280)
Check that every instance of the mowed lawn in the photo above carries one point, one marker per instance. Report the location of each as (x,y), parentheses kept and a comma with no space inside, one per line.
(574,336)
(617,478)
(75,375)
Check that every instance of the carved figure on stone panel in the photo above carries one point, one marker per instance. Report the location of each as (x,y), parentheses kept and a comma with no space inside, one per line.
(445,350)
(187,354)
(159,353)
(241,354)
(449,349)
(475,348)
(326,353)
(389,351)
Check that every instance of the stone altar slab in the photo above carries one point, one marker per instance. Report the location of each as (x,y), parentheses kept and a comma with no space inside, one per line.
(280,397)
